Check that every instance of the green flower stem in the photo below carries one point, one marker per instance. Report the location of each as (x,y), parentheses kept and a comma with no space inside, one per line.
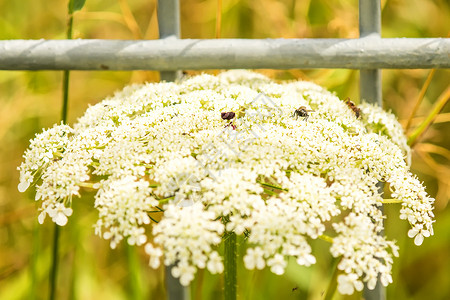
(65,96)
(55,260)
(326,238)
(55,252)
(333,282)
(134,273)
(34,261)
(166,200)
(271,186)
(391,201)
(73,295)
(66,72)
(153,220)
(269,192)
(88,185)
(230,272)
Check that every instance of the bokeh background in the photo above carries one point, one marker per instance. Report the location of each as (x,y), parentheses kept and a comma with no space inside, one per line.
(31,101)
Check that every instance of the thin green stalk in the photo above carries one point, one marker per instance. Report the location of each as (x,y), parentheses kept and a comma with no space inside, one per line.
(230,264)
(55,260)
(64,110)
(134,273)
(34,261)
(271,186)
(65,101)
(75,238)
(200,282)
(333,282)
(391,201)
(153,219)
(326,238)
(70,10)
(65,96)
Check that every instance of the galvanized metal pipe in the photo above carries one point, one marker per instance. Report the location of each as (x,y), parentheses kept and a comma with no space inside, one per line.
(370,26)
(169,29)
(168,18)
(369,52)
(370,91)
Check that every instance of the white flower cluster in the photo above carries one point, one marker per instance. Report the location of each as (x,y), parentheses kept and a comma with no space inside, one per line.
(283,163)
(123,204)
(365,254)
(43,149)
(188,236)
(280,225)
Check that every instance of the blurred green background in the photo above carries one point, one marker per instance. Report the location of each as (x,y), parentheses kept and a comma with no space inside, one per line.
(30,101)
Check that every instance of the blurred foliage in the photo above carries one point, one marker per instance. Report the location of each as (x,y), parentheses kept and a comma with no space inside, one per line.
(31,101)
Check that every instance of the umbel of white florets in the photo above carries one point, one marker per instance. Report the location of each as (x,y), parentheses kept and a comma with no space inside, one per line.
(188,235)
(169,162)
(365,254)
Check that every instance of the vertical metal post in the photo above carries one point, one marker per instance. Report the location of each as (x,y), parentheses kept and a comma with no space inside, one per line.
(370,89)
(370,27)
(169,28)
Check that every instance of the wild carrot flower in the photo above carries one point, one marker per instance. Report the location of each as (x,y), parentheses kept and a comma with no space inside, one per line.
(162,159)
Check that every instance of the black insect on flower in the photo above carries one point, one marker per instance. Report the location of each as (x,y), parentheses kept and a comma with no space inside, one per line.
(353,107)
(228,116)
(302,112)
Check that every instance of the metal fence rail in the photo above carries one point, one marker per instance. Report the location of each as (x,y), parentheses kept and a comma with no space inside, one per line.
(370,52)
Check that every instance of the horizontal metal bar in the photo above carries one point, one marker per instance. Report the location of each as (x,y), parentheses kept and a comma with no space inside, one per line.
(370,52)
